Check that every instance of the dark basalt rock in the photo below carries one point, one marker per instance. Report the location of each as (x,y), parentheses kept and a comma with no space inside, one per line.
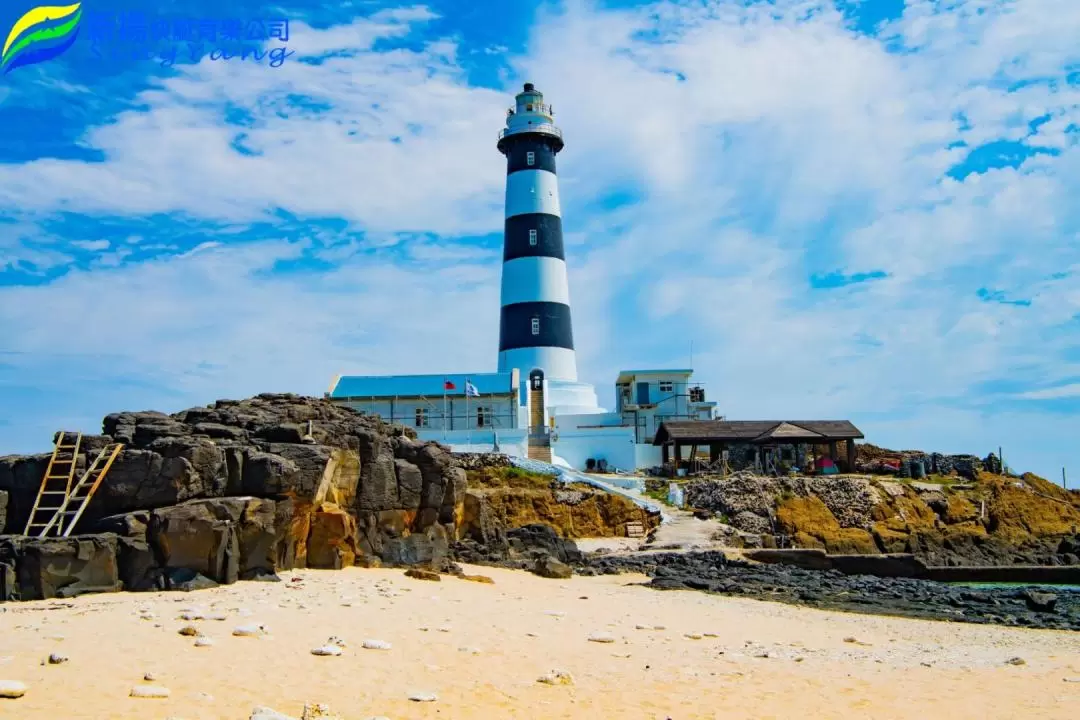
(237,490)
(834,590)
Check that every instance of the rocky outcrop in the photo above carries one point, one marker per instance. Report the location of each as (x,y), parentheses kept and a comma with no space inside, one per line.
(995,520)
(62,567)
(836,590)
(239,490)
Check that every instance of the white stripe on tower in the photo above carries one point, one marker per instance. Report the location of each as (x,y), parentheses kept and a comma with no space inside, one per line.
(535,330)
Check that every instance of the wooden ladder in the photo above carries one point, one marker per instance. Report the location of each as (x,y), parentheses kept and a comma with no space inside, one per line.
(80,495)
(53,493)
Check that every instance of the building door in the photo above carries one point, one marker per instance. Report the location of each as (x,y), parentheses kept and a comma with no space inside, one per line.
(643,393)
(536,401)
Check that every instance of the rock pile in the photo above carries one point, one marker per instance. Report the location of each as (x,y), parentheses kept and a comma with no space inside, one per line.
(829,589)
(995,520)
(238,489)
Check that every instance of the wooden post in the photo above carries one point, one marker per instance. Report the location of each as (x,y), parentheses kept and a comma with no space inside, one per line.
(678,459)
(664,454)
(851,455)
(693,458)
(832,450)
(714,452)
(1064,482)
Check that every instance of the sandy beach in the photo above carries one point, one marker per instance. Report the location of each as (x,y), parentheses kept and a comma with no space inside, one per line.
(481,648)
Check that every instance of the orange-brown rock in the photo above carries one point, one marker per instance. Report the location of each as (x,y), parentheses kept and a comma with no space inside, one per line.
(419,574)
(332,541)
(478,578)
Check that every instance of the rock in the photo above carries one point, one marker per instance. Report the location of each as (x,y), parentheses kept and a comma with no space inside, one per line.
(332,542)
(327,650)
(556,677)
(149,677)
(422,574)
(601,638)
(12,689)
(1016,661)
(191,537)
(189,630)
(67,567)
(149,691)
(57,658)
(478,578)
(203,641)
(318,711)
(376,645)
(423,697)
(185,580)
(265,713)
(249,630)
(550,567)
(1040,602)
(3,509)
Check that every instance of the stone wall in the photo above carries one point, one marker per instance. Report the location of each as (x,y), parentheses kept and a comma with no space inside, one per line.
(236,490)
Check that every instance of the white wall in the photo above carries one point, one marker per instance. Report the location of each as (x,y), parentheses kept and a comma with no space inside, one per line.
(612,444)
(647,456)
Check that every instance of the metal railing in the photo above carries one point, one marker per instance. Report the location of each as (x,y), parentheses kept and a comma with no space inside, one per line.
(546,128)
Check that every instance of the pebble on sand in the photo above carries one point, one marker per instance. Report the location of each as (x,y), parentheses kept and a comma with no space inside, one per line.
(601,638)
(327,650)
(149,691)
(57,658)
(556,677)
(12,689)
(376,645)
(1016,661)
(249,630)
(203,641)
(423,697)
(189,631)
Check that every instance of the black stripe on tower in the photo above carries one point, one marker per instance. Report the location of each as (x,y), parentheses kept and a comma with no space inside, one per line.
(517,153)
(519,242)
(516,326)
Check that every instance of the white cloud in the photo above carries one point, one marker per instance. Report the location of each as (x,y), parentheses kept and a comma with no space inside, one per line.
(791,148)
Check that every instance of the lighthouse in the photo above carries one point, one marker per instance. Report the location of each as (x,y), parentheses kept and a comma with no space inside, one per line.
(535,331)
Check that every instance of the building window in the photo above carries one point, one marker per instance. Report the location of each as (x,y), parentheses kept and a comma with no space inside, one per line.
(536,326)
(666,386)
(530,158)
(532,237)
(483,417)
(421,417)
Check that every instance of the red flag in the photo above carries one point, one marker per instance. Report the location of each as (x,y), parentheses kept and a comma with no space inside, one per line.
(447,385)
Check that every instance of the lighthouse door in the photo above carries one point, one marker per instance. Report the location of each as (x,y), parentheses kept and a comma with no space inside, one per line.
(536,401)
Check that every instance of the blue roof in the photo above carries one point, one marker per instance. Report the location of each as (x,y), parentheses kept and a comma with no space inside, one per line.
(368,386)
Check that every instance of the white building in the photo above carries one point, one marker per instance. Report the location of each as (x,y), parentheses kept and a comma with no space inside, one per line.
(534,405)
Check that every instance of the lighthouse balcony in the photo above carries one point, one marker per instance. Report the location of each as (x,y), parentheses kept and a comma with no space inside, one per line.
(527,128)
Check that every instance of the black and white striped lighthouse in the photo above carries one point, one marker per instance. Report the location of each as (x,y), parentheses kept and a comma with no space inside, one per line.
(535,334)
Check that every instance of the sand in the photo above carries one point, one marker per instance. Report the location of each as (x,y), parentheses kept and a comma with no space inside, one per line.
(480,649)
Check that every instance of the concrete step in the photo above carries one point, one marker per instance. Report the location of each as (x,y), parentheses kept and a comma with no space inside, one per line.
(540,452)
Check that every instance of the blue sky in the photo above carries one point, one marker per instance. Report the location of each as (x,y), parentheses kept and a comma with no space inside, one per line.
(858,210)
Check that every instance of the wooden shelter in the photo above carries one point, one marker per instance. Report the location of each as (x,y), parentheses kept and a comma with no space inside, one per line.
(719,435)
